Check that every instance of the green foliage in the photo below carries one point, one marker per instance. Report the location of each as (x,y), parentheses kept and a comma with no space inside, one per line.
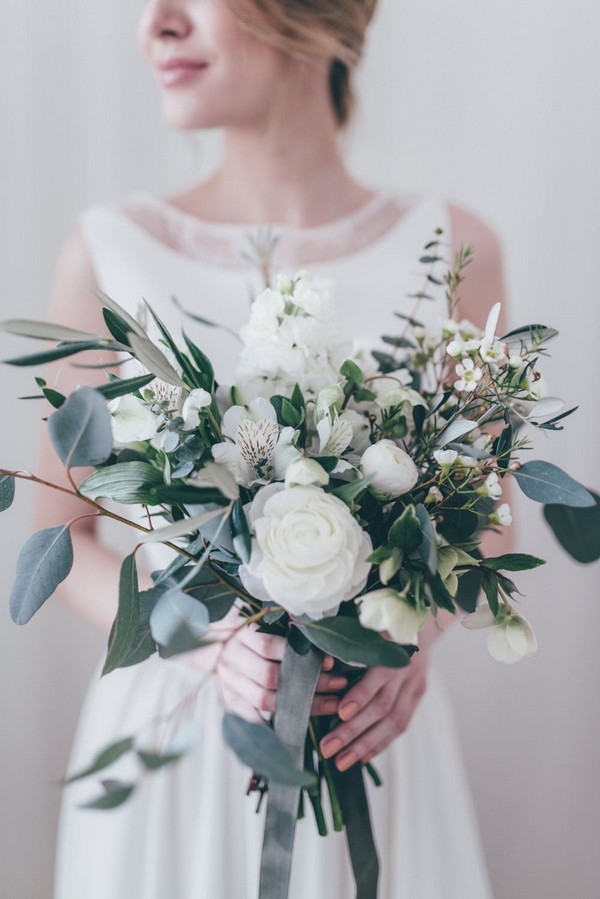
(117,326)
(59,352)
(530,338)
(352,373)
(352,490)
(490,582)
(258,747)
(44,562)
(187,494)
(513,562)
(406,530)
(7,492)
(242,539)
(346,639)
(152,761)
(46,331)
(194,377)
(577,530)
(124,482)
(80,430)
(549,484)
(469,585)
(428,546)
(122,387)
(154,359)
(202,363)
(124,632)
(116,792)
(178,623)
(104,758)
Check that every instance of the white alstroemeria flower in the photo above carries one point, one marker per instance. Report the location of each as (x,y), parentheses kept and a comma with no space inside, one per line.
(308,552)
(511,637)
(306,473)
(197,399)
(501,516)
(259,451)
(132,420)
(392,471)
(387,610)
(459,347)
(445,459)
(468,376)
(434,495)
(335,436)
(491,487)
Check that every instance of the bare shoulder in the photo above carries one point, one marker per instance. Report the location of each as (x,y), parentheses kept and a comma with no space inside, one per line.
(483,283)
(71,296)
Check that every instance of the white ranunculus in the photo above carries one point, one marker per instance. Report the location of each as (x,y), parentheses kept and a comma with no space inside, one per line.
(132,421)
(387,610)
(308,552)
(197,399)
(306,473)
(393,472)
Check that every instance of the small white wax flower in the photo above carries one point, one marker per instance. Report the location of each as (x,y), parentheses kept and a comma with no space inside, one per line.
(468,375)
(435,495)
(198,399)
(392,471)
(387,610)
(501,516)
(445,458)
(306,473)
(491,487)
(132,421)
(492,352)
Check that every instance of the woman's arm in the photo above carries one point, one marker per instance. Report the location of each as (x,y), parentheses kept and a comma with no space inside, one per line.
(380,707)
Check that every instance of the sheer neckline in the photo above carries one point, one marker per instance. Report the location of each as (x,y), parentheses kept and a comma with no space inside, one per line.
(227,244)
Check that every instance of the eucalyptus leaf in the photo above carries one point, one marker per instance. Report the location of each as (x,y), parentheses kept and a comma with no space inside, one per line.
(577,530)
(125,628)
(546,407)
(153,760)
(115,794)
(128,320)
(44,562)
(7,492)
(58,352)
(242,539)
(530,337)
(258,747)
(454,431)
(142,645)
(124,482)
(178,623)
(46,330)
(406,530)
(546,483)
(193,376)
(181,528)
(122,387)
(346,639)
(428,546)
(81,431)
(104,758)
(154,359)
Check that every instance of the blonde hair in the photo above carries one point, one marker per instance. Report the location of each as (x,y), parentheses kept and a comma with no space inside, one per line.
(330,29)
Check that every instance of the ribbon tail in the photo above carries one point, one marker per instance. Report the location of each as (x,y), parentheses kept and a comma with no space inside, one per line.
(359,832)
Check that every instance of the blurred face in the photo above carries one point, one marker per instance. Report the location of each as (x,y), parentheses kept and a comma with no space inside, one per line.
(211,73)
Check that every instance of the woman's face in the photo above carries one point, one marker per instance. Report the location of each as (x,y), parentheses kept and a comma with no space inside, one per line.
(227,76)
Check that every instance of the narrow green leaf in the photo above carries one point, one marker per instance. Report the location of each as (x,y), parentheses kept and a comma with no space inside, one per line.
(489,582)
(117,327)
(242,539)
(406,530)
(47,331)
(124,482)
(549,484)
(513,562)
(258,747)
(155,361)
(125,627)
(55,398)
(202,362)
(119,387)
(80,430)
(129,321)
(577,530)
(194,377)
(469,585)
(181,528)
(59,352)
(352,490)
(44,562)
(178,623)
(186,494)
(428,547)
(528,338)
(104,758)
(7,492)
(346,639)
(153,761)
(116,793)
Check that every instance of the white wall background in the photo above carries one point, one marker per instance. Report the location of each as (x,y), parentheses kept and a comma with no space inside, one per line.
(495,106)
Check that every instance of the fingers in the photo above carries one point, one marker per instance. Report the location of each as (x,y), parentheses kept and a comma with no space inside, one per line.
(346,734)
(247,690)
(267,646)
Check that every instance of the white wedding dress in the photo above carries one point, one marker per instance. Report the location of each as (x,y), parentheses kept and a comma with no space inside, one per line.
(190,832)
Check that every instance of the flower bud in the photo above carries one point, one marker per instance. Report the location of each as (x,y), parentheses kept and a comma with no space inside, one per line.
(392,471)
(306,473)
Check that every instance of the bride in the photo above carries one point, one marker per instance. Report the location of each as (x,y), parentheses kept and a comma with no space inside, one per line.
(278,79)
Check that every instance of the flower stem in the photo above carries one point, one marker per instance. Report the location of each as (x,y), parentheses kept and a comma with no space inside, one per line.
(314,728)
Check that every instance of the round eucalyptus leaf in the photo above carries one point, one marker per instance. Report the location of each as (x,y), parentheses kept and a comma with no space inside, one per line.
(178,623)
(80,430)
(544,482)
(259,747)
(44,562)
(7,492)
(577,530)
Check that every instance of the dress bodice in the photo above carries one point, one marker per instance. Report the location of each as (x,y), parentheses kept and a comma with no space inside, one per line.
(144,247)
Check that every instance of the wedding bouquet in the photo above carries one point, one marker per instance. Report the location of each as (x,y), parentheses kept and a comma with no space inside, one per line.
(337,497)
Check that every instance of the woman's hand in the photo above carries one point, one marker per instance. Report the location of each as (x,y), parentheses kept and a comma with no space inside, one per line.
(376,711)
(247,666)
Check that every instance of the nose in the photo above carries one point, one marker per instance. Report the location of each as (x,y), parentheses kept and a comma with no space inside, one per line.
(163,19)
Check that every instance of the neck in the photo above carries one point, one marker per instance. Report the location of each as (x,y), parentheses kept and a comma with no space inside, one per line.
(286,168)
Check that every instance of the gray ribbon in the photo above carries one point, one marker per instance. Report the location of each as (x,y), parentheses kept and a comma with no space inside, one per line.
(295,692)
(359,834)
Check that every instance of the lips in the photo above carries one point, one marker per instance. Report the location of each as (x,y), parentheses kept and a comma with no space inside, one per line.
(177,71)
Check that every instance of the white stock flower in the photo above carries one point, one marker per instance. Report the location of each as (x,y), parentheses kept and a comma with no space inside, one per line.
(501,515)
(132,420)
(260,450)
(197,399)
(306,473)
(511,637)
(308,552)
(387,610)
(468,376)
(392,470)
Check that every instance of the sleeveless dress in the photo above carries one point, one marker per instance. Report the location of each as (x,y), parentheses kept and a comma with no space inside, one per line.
(189,831)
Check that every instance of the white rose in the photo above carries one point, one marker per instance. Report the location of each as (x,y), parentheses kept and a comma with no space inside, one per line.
(132,421)
(308,552)
(392,470)
(387,610)
(198,399)
(306,473)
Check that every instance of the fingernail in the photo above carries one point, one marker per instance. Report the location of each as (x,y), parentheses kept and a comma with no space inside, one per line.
(330,706)
(338,683)
(346,761)
(331,747)
(348,711)
(327,663)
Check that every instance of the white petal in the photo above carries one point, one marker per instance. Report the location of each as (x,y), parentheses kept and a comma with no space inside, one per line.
(481,617)
(499,647)
(492,321)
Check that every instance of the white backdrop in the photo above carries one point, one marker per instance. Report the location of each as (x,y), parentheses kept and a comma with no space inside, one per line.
(496,107)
